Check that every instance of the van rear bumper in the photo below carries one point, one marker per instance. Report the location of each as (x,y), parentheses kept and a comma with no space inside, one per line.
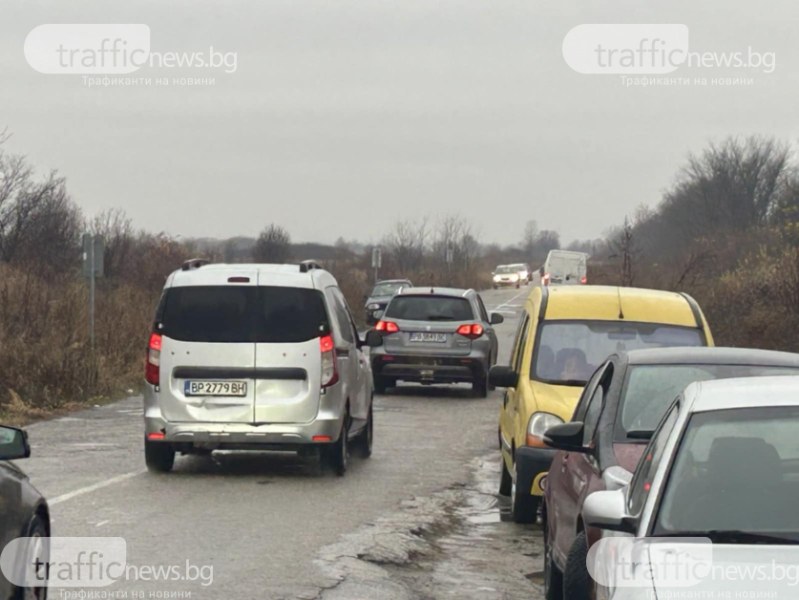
(218,435)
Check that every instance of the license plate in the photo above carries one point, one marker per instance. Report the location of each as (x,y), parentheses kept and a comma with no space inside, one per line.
(215,388)
(423,336)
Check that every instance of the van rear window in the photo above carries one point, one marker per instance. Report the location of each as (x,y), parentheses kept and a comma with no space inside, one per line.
(229,314)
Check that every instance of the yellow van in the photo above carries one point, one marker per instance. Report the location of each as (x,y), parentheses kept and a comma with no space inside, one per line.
(564,334)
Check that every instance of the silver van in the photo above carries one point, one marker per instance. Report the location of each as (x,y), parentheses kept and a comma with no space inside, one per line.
(255,356)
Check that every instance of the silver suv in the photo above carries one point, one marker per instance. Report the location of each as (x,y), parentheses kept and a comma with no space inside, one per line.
(434,335)
(255,356)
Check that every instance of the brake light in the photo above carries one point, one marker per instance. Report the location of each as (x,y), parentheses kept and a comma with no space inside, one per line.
(329,368)
(387,326)
(152,370)
(471,331)
(583,279)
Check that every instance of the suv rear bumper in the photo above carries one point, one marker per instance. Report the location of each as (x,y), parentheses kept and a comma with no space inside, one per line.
(430,369)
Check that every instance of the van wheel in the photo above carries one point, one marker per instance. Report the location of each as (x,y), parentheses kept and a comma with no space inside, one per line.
(364,441)
(159,456)
(338,454)
(524,506)
(576,580)
(505,480)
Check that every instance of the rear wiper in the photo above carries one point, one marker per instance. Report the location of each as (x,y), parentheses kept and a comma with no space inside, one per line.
(640,434)
(439,318)
(737,536)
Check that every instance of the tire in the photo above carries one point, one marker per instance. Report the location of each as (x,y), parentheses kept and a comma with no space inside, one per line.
(363,444)
(553,578)
(37,528)
(491,362)
(505,479)
(524,506)
(480,386)
(159,456)
(577,583)
(379,384)
(337,455)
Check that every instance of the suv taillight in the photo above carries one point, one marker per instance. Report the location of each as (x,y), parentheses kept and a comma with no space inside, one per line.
(152,370)
(471,331)
(329,368)
(387,326)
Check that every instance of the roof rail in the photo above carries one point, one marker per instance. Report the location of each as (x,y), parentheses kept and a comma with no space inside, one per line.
(309,265)
(194,263)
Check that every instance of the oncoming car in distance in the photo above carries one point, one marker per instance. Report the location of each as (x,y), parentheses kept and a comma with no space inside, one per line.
(434,335)
(506,275)
(255,357)
(375,304)
(564,334)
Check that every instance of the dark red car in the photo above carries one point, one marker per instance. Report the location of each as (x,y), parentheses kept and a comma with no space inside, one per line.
(599,448)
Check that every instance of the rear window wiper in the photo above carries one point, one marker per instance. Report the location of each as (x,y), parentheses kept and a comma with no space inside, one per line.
(439,318)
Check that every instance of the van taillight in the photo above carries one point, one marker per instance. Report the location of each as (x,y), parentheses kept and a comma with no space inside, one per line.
(329,368)
(152,371)
(471,331)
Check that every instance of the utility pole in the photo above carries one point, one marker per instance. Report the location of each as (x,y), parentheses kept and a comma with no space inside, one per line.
(93,260)
(377,260)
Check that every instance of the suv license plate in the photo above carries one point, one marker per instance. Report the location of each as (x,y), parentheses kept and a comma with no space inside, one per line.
(423,336)
(215,388)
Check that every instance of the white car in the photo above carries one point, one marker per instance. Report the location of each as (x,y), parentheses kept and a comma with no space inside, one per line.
(255,356)
(505,275)
(711,508)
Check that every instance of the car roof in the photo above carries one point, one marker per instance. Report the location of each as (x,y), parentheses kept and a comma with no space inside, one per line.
(434,291)
(393,281)
(750,392)
(612,303)
(710,356)
(281,275)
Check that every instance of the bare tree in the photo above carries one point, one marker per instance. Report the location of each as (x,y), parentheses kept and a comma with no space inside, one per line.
(273,245)
(625,247)
(406,244)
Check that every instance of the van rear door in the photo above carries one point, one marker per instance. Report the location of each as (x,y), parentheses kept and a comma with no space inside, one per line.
(288,357)
(207,349)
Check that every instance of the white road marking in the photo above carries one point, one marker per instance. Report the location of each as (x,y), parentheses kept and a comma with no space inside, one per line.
(101,523)
(508,303)
(94,487)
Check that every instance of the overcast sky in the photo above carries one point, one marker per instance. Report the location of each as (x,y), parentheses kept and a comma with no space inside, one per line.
(344,116)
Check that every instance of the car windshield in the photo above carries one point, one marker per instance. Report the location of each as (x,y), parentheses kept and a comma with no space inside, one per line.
(650,389)
(386,289)
(505,269)
(429,308)
(568,352)
(736,470)
(227,314)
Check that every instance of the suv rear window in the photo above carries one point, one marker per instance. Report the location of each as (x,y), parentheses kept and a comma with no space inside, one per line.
(430,308)
(228,314)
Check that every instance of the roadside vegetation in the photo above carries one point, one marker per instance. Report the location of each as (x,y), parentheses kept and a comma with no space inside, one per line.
(727,232)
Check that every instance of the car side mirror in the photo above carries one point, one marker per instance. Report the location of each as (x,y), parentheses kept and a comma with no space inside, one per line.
(500,376)
(374,339)
(607,510)
(496,318)
(13,443)
(568,437)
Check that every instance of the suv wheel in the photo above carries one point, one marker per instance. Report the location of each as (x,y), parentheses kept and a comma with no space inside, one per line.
(159,456)
(480,386)
(364,441)
(524,506)
(379,384)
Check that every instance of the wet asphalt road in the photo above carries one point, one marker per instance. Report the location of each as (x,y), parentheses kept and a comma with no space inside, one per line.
(418,520)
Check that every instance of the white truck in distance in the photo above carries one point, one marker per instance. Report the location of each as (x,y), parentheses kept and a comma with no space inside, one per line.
(565,267)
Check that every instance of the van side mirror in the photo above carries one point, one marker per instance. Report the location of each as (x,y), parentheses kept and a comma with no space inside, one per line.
(607,510)
(496,318)
(13,443)
(500,376)
(374,339)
